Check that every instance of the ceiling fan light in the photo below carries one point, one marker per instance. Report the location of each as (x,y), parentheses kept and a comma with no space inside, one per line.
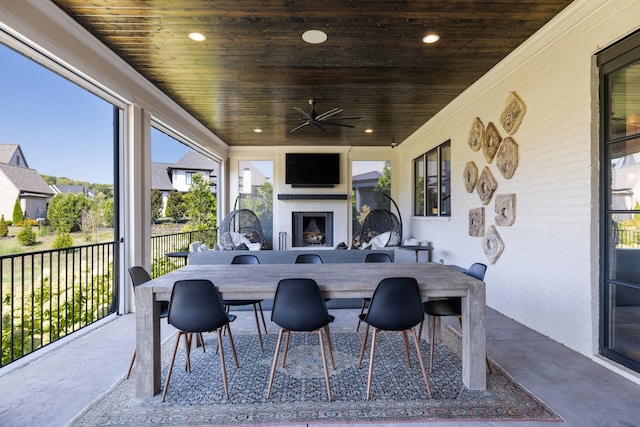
(197,37)
(431,38)
(314,36)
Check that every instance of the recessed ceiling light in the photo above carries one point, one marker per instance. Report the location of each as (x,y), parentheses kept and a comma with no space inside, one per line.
(197,37)
(368,131)
(257,130)
(431,38)
(314,36)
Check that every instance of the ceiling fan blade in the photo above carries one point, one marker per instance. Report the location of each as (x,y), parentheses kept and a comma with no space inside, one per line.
(329,113)
(299,127)
(333,123)
(346,118)
(319,125)
(304,113)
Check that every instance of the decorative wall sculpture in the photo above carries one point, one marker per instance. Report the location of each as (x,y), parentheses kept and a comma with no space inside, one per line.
(470,176)
(486,186)
(505,208)
(513,113)
(476,222)
(492,244)
(505,152)
(476,135)
(507,157)
(491,142)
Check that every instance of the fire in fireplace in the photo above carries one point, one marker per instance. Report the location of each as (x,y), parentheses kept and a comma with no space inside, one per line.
(312,229)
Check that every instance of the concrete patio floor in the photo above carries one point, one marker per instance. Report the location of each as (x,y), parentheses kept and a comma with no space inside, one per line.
(52,387)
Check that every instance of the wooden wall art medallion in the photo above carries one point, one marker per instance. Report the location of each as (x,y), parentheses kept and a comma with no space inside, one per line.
(476,222)
(505,208)
(507,157)
(486,186)
(491,142)
(470,176)
(492,244)
(513,113)
(476,134)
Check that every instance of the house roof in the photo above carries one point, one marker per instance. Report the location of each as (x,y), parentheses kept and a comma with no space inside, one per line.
(160,178)
(7,151)
(26,180)
(196,161)
(367,176)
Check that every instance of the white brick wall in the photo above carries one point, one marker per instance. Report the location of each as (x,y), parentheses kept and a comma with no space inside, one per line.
(547,276)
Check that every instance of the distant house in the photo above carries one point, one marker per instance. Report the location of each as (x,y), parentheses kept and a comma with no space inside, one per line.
(73,189)
(19,182)
(363,185)
(167,177)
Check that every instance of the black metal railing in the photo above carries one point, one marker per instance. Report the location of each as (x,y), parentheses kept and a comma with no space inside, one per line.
(628,238)
(47,295)
(175,242)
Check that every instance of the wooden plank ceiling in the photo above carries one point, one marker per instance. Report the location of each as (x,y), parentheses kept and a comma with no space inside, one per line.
(254,68)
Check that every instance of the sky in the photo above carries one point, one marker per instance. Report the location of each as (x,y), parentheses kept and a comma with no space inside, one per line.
(65,131)
(62,129)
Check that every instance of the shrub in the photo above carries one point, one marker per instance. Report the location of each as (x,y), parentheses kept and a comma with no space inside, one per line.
(17,213)
(4,228)
(27,236)
(62,240)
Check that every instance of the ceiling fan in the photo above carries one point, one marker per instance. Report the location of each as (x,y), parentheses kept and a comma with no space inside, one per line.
(320,120)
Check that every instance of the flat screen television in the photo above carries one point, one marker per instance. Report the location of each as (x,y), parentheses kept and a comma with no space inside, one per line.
(312,169)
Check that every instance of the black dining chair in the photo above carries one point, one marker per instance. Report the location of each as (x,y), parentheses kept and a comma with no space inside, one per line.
(449,307)
(139,276)
(298,306)
(371,257)
(396,305)
(256,303)
(196,307)
(308,259)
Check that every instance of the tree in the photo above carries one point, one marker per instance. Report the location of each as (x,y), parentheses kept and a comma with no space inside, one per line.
(65,211)
(4,229)
(17,213)
(156,205)
(108,212)
(383,186)
(200,205)
(176,208)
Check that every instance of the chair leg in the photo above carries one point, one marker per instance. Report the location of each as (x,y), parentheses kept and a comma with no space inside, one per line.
(133,359)
(364,303)
(324,364)
(330,346)
(364,344)
(255,313)
(187,347)
(233,345)
(286,348)
(275,362)
(432,344)
(373,347)
(173,359)
(420,329)
(424,372)
(263,321)
(405,339)
(222,365)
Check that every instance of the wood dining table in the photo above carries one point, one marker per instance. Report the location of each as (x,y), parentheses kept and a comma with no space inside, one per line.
(336,280)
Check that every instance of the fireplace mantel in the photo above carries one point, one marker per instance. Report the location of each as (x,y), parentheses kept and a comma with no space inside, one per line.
(312,197)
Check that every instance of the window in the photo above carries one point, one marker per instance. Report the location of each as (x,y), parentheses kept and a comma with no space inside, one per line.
(432,182)
(620,214)
(189,177)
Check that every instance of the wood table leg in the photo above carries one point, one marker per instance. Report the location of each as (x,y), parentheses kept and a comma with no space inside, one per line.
(147,369)
(474,374)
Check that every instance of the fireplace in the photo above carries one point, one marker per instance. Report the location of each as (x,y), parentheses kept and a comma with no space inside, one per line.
(312,229)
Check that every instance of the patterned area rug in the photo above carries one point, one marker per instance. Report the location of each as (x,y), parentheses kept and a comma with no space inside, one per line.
(299,394)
